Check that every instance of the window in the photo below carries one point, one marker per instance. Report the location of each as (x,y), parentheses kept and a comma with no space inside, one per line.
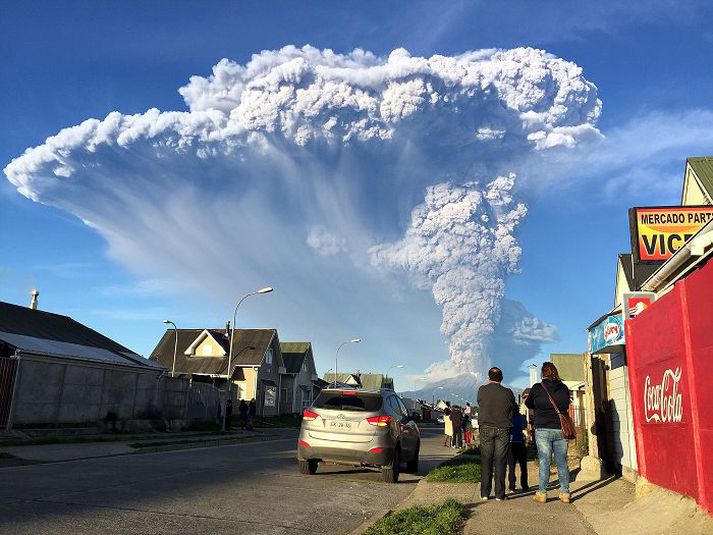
(268,356)
(283,395)
(360,402)
(304,366)
(305,398)
(206,350)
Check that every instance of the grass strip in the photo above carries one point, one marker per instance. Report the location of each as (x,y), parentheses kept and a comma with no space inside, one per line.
(464,468)
(440,519)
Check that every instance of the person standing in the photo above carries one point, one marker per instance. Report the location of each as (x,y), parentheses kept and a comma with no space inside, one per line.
(243,412)
(457,423)
(518,451)
(495,404)
(252,411)
(548,399)
(228,412)
(447,425)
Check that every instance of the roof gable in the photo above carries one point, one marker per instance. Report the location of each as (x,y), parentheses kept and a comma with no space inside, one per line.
(201,339)
(295,354)
(698,181)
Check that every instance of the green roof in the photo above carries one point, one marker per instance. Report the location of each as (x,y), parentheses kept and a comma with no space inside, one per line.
(703,167)
(569,365)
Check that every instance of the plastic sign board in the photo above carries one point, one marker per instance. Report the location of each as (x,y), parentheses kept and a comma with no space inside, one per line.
(636,302)
(659,231)
(606,334)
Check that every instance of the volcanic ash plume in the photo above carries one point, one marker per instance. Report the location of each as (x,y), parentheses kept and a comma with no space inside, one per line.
(461,244)
(301,157)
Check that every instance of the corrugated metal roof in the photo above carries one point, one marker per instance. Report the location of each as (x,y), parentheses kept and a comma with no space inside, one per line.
(703,167)
(41,332)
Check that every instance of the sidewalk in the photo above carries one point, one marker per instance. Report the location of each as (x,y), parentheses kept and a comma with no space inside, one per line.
(604,507)
(148,443)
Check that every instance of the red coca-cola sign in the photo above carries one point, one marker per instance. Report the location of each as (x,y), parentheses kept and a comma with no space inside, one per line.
(663,402)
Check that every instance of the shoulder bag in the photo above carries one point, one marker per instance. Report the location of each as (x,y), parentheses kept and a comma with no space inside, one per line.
(565,420)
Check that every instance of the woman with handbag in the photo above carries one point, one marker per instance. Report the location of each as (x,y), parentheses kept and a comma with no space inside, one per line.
(553,427)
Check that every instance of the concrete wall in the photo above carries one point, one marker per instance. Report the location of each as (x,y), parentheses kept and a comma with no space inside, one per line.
(54,391)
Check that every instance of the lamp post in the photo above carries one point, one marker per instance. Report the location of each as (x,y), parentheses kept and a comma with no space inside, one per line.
(261,291)
(175,345)
(386,375)
(336,357)
(433,401)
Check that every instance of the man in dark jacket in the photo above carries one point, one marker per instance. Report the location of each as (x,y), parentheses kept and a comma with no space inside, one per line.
(495,404)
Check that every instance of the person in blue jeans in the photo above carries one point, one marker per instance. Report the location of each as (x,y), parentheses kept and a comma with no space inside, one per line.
(548,399)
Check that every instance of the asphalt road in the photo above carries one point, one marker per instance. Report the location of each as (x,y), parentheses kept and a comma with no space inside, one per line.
(251,488)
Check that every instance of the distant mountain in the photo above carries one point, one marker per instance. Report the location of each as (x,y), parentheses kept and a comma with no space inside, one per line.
(464,386)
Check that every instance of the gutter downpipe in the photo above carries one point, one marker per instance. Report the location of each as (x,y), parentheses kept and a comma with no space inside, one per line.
(695,247)
(11,410)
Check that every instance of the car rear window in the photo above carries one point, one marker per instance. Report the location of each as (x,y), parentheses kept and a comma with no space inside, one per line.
(358,402)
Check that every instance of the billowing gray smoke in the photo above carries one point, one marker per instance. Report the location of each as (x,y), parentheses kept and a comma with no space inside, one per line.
(461,243)
(305,154)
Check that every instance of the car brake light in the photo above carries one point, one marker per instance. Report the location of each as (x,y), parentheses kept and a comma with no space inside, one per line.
(304,444)
(379,421)
(376,450)
(349,393)
(309,415)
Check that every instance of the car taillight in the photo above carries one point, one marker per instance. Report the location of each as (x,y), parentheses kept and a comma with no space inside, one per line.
(309,415)
(349,392)
(304,444)
(379,421)
(376,450)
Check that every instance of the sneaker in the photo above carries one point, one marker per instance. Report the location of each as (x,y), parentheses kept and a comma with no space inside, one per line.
(564,497)
(501,499)
(540,497)
(484,498)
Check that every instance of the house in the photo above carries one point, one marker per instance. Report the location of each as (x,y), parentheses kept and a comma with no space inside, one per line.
(298,388)
(201,355)
(571,368)
(369,381)
(57,371)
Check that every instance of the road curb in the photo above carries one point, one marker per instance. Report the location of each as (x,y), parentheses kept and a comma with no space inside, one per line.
(153,449)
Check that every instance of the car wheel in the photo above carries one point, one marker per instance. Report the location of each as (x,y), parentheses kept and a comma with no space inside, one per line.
(308,467)
(412,465)
(391,472)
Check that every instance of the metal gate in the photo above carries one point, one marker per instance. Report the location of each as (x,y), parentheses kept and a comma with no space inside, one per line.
(8,369)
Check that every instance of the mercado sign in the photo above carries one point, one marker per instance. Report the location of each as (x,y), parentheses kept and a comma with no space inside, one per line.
(659,231)
(606,334)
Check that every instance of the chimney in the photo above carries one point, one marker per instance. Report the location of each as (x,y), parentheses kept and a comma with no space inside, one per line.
(533,374)
(33,302)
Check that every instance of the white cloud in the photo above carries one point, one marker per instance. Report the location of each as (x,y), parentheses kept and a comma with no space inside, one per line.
(301,139)
(324,242)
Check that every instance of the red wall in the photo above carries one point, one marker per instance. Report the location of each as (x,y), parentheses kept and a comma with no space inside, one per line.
(675,333)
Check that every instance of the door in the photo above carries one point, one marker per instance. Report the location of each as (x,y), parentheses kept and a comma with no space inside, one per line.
(8,369)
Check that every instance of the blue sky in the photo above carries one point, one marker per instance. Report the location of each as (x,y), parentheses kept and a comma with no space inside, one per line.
(64,63)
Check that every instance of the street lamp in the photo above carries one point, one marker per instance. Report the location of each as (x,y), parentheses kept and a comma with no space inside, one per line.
(175,345)
(261,291)
(336,357)
(433,401)
(386,375)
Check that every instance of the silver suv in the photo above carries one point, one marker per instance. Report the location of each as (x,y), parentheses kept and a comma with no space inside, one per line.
(359,428)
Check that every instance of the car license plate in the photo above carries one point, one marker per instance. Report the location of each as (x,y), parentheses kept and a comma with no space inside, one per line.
(339,425)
